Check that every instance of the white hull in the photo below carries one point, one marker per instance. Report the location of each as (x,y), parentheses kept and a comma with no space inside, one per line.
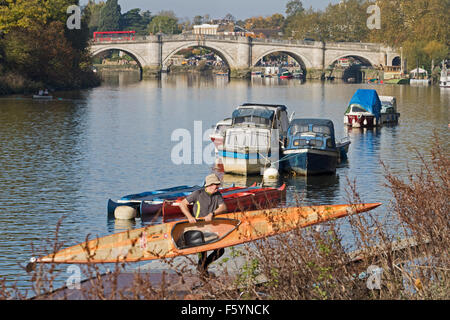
(444,83)
(36,96)
(423,82)
(244,166)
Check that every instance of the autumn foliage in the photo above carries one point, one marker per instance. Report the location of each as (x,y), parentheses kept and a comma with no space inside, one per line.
(41,52)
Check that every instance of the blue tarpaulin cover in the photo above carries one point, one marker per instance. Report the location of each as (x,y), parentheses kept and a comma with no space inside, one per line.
(368,99)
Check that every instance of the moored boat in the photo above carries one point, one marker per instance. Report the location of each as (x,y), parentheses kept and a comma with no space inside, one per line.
(179,238)
(149,203)
(252,141)
(154,198)
(218,135)
(42,97)
(150,208)
(444,80)
(388,112)
(286,75)
(246,199)
(311,148)
(363,109)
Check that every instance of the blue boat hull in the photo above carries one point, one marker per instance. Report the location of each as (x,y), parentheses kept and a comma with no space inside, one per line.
(153,199)
(311,161)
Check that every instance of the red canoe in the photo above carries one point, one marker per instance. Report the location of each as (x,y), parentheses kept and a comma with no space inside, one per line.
(250,199)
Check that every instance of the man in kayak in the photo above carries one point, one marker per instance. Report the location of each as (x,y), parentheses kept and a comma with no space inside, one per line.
(207,202)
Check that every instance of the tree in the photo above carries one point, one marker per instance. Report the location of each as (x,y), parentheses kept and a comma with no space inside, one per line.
(294,7)
(435,51)
(230,18)
(41,49)
(347,21)
(197,20)
(110,16)
(164,24)
(26,14)
(137,21)
(94,15)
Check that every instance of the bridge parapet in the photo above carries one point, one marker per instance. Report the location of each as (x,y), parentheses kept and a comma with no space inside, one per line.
(242,53)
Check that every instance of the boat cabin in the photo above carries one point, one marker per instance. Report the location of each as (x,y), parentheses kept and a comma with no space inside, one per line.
(269,116)
(388,104)
(388,113)
(311,133)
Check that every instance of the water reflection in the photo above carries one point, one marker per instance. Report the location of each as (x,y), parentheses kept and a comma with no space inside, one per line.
(68,157)
(311,190)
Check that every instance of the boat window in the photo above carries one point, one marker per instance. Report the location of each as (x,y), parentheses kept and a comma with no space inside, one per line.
(356,108)
(256,120)
(299,129)
(322,129)
(389,110)
(300,142)
(305,142)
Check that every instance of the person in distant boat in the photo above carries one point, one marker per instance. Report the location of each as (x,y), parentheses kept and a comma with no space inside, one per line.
(41,92)
(207,203)
(45,92)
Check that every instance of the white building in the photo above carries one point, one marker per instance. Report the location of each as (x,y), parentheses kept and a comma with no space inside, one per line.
(206,29)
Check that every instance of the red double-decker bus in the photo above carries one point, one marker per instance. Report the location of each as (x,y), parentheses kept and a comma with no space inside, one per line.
(114,35)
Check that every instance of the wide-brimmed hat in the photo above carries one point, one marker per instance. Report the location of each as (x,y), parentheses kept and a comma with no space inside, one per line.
(211,179)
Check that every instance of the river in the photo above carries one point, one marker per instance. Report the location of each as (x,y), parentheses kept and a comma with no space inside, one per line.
(67,157)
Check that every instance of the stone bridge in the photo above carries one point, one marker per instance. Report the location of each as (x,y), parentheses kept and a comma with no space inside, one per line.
(241,54)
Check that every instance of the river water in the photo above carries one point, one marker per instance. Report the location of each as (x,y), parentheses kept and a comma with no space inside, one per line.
(67,157)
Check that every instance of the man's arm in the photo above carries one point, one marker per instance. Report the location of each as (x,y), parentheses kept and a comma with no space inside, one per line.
(222,208)
(185,209)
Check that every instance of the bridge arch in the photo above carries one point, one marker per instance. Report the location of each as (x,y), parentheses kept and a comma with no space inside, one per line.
(301,59)
(365,59)
(229,60)
(396,61)
(140,61)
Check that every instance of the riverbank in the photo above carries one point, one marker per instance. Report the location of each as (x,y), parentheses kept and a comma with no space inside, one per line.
(15,83)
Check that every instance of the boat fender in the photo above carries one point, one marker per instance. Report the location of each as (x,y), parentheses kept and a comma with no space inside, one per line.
(271,173)
(193,238)
(125,213)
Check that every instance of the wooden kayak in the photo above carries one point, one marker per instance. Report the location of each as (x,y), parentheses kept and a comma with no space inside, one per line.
(248,199)
(179,238)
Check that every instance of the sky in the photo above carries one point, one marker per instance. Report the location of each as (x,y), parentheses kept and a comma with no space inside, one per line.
(240,9)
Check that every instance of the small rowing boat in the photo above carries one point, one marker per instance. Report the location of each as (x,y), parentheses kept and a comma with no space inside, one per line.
(135,200)
(180,238)
(148,209)
(248,199)
(150,202)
